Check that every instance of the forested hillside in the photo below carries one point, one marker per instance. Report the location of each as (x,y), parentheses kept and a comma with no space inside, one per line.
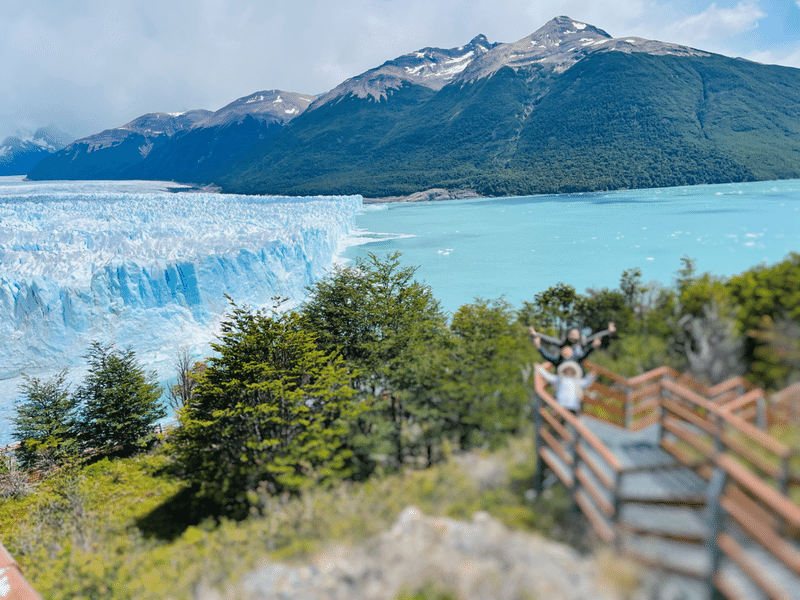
(566,109)
(612,121)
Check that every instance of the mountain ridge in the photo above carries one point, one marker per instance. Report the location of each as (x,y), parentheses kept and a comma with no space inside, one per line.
(497,118)
(19,153)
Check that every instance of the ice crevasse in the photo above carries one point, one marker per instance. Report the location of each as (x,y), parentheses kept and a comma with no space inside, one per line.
(150,270)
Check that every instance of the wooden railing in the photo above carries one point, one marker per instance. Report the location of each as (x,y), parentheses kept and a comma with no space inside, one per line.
(566,445)
(632,402)
(13,585)
(784,406)
(710,429)
(753,477)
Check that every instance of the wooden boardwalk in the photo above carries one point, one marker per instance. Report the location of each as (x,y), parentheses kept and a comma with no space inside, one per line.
(679,477)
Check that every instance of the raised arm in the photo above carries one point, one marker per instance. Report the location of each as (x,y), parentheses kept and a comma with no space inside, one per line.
(589,379)
(553,358)
(548,377)
(596,336)
(546,338)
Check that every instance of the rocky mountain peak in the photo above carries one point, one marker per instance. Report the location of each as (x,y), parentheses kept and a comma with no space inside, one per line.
(559,44)
(270,105)
(564,29)
(162,123)
(429,67)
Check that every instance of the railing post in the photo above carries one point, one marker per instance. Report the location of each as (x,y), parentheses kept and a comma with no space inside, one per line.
(573,452)
(538,478)
(662,395)
(628,408)
(719,447)
(716,524)
(761,412)
(617,510)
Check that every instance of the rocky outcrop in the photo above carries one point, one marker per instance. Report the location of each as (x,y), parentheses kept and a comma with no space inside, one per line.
(432,195)
(477,560)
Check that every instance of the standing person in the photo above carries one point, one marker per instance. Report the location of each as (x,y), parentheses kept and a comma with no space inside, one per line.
(569,383)
(579,347)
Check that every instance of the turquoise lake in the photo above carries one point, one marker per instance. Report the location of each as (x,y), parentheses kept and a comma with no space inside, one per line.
(517,247)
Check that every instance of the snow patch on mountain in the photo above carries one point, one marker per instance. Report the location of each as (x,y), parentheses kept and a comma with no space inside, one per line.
(429,67)
(21,152)
(276,106)
(557,45)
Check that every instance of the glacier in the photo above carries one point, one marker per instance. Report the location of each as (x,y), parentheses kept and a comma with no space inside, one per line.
(142,265)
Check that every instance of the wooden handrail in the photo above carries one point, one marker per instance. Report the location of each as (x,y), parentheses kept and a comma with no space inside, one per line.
(556,446)
(729,384)
(674,426)
(687,394)
(18,587)
(743,400)
(592,366)
(689,416)
(646,391)
(556,425)
(658,373)
(773,499)
(787,392)
(584,455)
(581,429)
(734,551)
(748,429)
(649,404)
(607,392)
(762,532)
(614,410)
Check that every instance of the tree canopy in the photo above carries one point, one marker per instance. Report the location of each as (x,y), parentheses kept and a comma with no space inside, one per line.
(120,401)
(272,410)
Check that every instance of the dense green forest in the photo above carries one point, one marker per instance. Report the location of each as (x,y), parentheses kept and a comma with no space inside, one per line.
(364,381)
(612,121)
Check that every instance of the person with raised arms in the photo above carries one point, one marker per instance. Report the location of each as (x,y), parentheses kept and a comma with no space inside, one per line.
(573,346)
(569,384)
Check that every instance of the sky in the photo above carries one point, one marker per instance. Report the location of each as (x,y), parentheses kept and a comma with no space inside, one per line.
(97,64)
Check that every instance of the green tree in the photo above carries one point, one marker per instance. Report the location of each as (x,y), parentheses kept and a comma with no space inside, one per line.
(630,284)
(482,395)
(599,307)
(45,424)
(120,401)
(271,410)
(555,310)
(383,322)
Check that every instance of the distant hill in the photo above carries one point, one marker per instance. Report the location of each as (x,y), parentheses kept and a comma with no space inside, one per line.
(566,109)
(20,153)
(192,146)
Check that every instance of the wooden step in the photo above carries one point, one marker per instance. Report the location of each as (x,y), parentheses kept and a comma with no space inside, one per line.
(690,560)
(679,485)
(681,523)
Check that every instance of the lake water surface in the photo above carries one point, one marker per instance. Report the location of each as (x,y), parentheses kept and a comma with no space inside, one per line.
(517,247)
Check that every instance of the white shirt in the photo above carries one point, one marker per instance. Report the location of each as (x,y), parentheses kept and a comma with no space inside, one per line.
(569,390)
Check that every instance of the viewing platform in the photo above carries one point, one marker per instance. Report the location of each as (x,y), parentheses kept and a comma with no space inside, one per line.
(682,477)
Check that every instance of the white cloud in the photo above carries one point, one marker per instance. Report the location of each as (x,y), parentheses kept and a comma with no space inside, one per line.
(100,63)
(772,57)
(716,23)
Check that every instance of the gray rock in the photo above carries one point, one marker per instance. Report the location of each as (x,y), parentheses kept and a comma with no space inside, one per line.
(477,560)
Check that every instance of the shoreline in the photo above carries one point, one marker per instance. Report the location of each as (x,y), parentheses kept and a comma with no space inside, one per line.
(431,195)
